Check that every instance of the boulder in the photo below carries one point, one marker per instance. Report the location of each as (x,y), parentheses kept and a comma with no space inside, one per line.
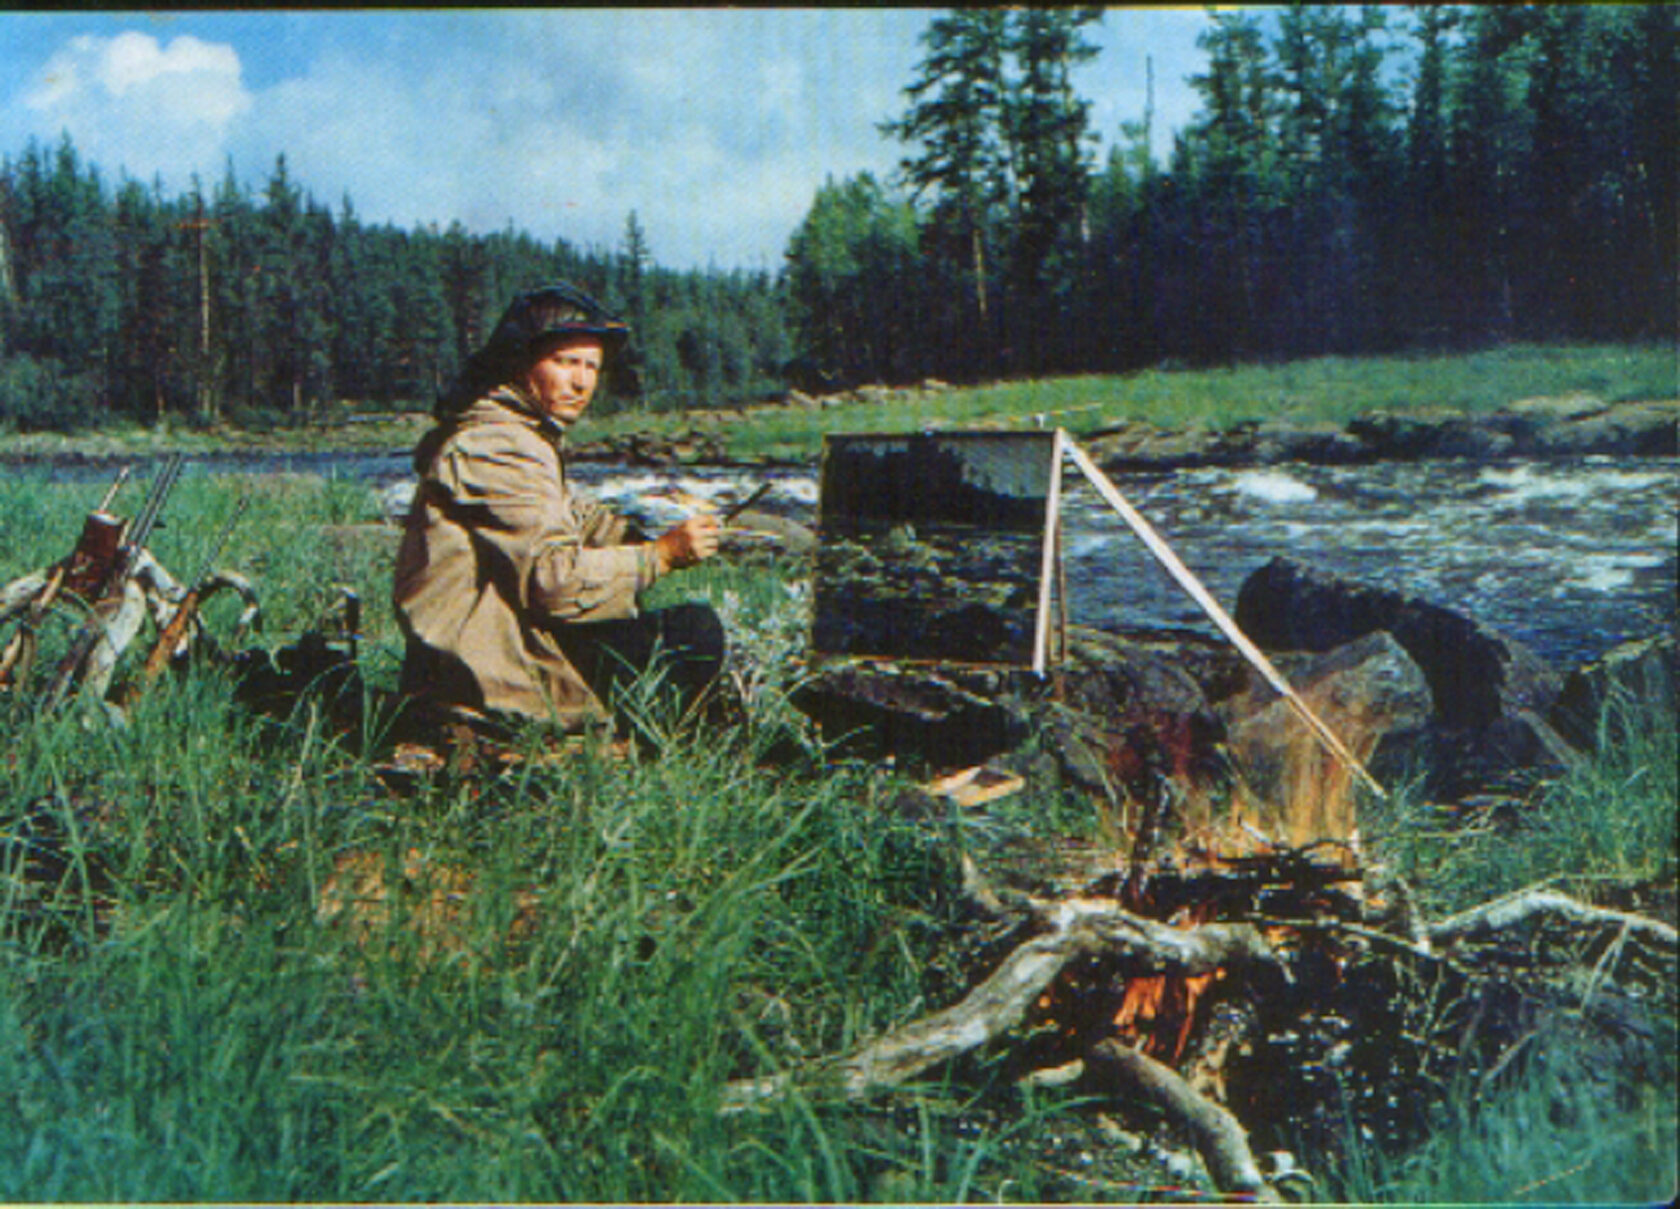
(1489,694)
(1368,692)
(1322,444)
(395,499)
(941,717)
(1541,410)
(1641,675)
(1121,716)
(1135,710)
(756,530)
(1475,673)
(1620,430)
(1413,435)
(1138,445)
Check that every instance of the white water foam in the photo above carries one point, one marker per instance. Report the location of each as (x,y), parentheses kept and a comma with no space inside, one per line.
(1271,487)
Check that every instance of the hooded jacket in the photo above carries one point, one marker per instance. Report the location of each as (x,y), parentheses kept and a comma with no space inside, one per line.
(497,550)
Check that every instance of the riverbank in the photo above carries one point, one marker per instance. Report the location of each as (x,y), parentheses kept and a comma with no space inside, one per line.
(1523,400)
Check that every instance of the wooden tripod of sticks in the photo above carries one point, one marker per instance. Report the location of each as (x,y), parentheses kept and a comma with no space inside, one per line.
(1187,580)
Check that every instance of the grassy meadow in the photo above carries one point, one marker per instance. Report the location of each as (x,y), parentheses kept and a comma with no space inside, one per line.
(200,1000)
(1327,389)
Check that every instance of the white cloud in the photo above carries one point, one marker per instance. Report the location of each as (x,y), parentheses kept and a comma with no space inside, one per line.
(716,126)
(133,102)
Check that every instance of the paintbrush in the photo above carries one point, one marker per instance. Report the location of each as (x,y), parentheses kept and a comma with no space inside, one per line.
(735,510)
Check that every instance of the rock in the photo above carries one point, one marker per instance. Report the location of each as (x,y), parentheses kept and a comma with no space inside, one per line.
(1550,409)
(1318,444)
(1475,673)
(1366,692)
(1123,715)
(1504,757)
(1622,430)
(1574,425)
(1135,711)
(1131,446)
(1489,694)
(395,498)
(1413,435)
(1640,674)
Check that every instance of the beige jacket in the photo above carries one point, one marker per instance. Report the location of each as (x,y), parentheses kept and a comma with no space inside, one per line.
(497,549)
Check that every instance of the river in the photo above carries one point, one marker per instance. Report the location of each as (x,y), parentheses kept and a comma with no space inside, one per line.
(1571,557)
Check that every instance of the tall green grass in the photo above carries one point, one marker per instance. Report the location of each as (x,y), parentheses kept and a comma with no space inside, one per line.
(1575,1121)
(1606,826)
(1564,1132)
(179,1020)
(179,1023)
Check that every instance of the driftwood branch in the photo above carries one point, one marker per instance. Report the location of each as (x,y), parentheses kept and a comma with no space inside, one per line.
(1075,928)
(1218,1136)
(1526,905)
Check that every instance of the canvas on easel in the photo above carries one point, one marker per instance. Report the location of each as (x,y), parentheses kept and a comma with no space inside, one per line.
(939,547)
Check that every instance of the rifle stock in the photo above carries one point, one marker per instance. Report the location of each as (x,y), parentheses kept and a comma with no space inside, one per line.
(170,637)
(111,583)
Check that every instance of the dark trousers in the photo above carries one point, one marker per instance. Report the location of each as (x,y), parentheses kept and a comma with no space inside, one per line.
(683,645)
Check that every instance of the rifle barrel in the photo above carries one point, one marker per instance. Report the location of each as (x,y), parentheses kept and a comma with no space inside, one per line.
(169,638)
(147,520)
(111,491)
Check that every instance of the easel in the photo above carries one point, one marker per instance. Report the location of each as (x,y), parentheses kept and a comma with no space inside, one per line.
(879,468)
(1187,580)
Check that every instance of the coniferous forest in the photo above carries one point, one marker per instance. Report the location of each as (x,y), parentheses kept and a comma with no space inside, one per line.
(1367,180)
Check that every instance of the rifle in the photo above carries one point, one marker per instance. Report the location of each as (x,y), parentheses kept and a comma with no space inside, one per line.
(170,637)
(110,582)
(92,548)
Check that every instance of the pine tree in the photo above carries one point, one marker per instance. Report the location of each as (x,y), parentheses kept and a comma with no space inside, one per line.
(1048,127)
(852,283)
(1228,166)
(956,123)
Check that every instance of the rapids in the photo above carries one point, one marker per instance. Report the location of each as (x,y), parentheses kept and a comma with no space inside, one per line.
(1569,556)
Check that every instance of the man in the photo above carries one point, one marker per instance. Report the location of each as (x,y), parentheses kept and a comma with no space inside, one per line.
(516,593)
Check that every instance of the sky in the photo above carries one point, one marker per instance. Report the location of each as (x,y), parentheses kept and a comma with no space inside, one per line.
(715,126)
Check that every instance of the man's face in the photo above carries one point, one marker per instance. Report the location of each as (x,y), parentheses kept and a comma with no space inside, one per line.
(564,376)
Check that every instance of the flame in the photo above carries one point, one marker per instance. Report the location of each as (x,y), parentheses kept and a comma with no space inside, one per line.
(1160,1010)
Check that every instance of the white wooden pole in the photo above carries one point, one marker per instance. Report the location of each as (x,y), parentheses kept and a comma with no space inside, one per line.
(1188,581)
(1051,556)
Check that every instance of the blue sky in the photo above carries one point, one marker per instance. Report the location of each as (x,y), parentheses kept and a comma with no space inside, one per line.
(716,126)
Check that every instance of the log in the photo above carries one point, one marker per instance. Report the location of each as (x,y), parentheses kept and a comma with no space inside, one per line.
(1218,1136)
(1076,928)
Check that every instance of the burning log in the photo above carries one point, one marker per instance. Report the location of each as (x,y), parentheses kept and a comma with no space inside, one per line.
(1074,929)
(1077,928)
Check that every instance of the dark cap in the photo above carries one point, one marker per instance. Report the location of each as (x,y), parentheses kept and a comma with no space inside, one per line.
(561,310)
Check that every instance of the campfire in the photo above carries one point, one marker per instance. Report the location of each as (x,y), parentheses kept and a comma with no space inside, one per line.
(1246,988)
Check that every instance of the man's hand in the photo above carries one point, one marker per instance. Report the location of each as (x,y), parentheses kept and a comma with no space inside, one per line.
(693,541)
